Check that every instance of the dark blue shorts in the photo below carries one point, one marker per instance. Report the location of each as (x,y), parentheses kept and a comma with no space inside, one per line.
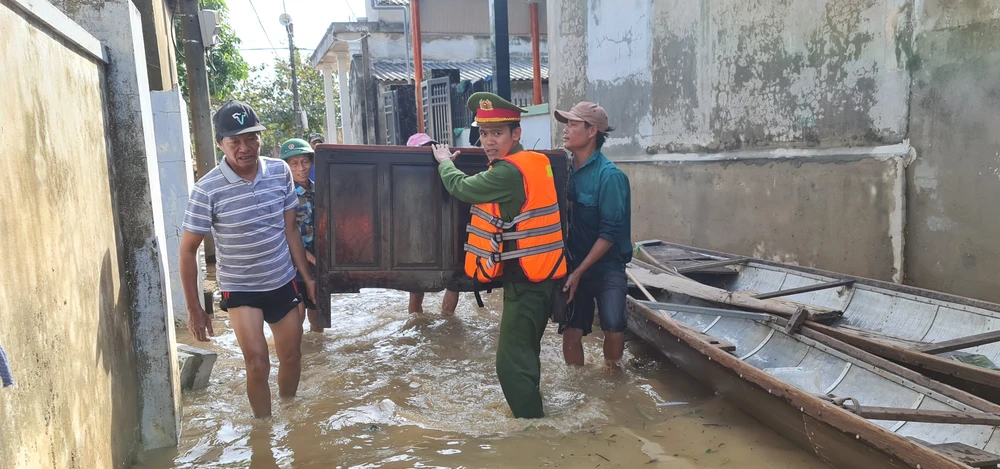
(608,295)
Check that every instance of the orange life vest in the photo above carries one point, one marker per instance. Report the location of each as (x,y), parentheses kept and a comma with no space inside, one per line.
(537,230)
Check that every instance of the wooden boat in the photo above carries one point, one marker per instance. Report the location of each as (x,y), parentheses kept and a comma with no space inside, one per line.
(850,406)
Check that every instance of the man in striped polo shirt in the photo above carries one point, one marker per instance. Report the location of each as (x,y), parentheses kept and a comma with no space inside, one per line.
(248,203)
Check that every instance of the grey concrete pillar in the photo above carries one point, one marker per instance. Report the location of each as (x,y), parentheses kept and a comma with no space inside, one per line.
(173,154)
(117,24)
(567,45)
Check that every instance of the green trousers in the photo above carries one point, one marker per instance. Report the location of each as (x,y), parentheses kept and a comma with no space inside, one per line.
(526,309)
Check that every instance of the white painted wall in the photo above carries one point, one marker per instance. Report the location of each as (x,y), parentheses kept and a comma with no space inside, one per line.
(536,129)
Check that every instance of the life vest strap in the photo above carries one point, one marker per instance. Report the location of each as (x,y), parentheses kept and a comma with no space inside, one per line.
(496,257)
(519,253)
(513,235)
(499,223)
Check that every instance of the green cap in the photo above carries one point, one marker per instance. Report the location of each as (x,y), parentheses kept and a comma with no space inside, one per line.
(295,147)
(490,108)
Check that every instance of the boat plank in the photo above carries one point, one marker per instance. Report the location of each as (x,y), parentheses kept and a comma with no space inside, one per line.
(960,371)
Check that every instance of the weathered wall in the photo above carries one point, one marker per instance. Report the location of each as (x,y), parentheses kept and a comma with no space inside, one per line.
(756,106)
(64,319)
(117,24)
(832,210)
(818,83)
(954,184)
(716,74)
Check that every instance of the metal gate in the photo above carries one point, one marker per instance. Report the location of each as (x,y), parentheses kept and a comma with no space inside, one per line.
(390,106)
(400,114)
(437,109)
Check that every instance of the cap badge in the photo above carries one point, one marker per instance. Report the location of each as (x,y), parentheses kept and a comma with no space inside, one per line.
(485,105)
(291,145)
(240,117)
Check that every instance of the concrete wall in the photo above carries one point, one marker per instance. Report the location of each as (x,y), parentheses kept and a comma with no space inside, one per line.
(64,316)
(720,75)
(837,96)
(753,112)
(140,212)
(954,183)
(832,210)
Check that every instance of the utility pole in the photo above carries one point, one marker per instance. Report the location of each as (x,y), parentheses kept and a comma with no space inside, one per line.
(198,98)
(286,21)
(500,45)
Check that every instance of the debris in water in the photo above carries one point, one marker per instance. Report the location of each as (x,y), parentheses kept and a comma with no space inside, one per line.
(602,457)
(724,462)
(710,451)
(645,415)
(673,403)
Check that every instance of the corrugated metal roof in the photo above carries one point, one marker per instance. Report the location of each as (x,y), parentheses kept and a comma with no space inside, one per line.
(394,2)
(520,69)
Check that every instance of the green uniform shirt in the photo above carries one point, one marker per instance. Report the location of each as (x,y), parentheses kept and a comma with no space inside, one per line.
(502,184)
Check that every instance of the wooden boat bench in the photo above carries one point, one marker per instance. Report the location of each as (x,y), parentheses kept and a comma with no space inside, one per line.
(964,453)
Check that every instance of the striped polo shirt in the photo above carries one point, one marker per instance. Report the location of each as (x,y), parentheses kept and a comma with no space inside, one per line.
(247,220)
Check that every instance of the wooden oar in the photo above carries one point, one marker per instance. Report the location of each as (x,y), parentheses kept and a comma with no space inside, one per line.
(674,282)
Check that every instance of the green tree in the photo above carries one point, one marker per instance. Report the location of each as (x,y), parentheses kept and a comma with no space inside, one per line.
(270,94)
(226,67)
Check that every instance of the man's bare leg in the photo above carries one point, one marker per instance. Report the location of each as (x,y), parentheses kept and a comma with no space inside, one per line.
(614,348)
(248,324)
(288,346)
(573,346)
(416,302)
(314,321)
(449,303)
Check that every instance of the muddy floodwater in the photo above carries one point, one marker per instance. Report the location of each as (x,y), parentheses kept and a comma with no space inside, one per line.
(384,389)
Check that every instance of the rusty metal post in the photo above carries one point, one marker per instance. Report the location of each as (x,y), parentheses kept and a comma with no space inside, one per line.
(418,62)
(536,60)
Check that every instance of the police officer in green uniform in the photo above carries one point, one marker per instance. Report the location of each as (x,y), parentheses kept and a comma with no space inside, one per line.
(528,282)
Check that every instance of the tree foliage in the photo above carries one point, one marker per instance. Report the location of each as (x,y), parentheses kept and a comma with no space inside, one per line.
(226,67)
(270,94)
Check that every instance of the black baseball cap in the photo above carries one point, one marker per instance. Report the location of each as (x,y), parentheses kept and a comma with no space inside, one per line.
(235,118)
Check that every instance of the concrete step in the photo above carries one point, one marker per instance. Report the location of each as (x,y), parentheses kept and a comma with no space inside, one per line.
(195,365)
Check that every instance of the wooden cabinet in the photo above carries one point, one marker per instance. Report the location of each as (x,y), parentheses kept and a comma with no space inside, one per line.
(384,219)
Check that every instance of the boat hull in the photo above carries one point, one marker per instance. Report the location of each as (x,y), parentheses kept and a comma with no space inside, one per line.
(839,438)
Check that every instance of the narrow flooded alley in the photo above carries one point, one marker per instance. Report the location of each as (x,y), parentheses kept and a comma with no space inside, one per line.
(384,389)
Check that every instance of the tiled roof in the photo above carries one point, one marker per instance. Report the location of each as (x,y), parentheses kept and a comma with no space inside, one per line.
(520,68)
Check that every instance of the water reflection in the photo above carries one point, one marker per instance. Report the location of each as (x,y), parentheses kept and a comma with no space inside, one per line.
(384,389)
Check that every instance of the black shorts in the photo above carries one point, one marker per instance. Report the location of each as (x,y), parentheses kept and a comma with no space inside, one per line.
(275,303)
(608,292)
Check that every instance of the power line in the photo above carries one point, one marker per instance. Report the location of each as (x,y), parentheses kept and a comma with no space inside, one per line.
(272,48)
(262,28)
(348,2)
